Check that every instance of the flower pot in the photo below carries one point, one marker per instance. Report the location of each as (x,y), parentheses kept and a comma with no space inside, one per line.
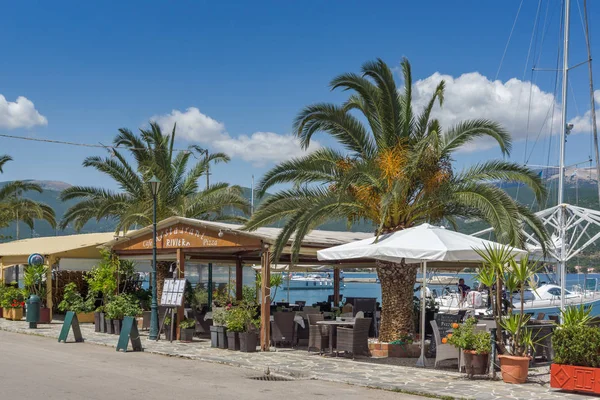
(110,328)
(233,340)
(97,322)
(248,342)
(85,318)
(222,337)
(117,326)
(214,336)
(574,378)
(475,364)
(45,316)
(102,322)
(168,329)
(186,335)
(514,368)
(15,314)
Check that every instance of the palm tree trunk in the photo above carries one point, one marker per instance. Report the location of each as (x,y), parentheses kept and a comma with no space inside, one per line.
(162,270)
(397,291)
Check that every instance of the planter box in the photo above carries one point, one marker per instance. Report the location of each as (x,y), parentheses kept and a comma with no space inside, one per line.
(168,332)
(0,312)
(214,336)
(45,316)
(102,323)
(248,342)
(97,322)
(575,379)
(222,337)
(117,326)
(233,340)
(412,350)
(85,318)
(186,335)
(110,328)
(15,314)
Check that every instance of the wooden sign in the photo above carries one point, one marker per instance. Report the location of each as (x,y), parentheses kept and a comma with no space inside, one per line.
(129,331)
(70,321)
(181,236)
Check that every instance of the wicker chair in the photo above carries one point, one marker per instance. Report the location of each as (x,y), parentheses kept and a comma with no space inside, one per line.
(443,351)
(283,328)
(354,340)
(318,335)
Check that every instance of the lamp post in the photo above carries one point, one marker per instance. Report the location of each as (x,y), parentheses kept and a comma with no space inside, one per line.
(153,335)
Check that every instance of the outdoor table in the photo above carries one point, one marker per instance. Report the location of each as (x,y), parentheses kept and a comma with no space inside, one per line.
(333,327)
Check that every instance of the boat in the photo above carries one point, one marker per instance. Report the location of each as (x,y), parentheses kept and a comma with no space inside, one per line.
(546,298)
(310,282)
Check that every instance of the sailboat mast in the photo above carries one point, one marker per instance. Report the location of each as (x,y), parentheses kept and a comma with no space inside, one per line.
(563,137)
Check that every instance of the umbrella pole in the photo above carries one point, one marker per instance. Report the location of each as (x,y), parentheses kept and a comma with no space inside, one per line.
(288,285)
(421,360)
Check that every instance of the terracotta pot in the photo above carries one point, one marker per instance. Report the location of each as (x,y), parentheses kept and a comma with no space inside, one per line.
(475,364)
(575,378)
(514,369)
(15,314)
(44,316)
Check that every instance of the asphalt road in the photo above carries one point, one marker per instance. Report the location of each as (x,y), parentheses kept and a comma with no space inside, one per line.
(33,368)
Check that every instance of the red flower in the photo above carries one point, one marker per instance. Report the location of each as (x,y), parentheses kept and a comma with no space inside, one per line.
(22,304)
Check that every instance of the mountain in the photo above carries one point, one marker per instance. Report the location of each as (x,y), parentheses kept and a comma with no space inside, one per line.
(580,189)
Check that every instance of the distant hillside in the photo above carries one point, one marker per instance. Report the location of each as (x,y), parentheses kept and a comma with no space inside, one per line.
(580,189)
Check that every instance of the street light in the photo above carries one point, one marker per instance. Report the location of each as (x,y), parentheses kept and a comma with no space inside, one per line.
(153,335)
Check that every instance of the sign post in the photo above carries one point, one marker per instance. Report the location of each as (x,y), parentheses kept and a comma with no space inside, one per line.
(172,297)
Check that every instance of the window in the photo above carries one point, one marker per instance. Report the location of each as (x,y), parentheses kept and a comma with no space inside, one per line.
(554,291)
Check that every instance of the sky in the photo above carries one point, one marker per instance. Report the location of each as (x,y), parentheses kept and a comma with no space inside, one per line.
(233,75)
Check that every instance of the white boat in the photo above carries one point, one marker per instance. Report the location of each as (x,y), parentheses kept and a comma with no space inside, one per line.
(310,282)
(546,299)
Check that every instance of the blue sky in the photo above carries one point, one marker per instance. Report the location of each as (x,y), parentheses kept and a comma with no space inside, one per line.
(87,69)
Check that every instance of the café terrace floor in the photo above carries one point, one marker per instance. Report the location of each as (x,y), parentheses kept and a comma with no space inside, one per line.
(387,374)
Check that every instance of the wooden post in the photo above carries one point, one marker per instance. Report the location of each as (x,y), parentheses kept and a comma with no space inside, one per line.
(1,271)
(49,262)
(181,268)
(336,287)
(265,308)
(239,278)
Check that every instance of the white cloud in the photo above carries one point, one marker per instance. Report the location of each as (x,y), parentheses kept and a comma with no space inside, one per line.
(258,148)
(583,123)
(473,95)
(19,114)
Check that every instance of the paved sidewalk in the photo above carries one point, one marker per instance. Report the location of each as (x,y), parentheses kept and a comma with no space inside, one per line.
(298,363)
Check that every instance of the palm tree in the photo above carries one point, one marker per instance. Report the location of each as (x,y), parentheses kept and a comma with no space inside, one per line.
(15,208)
(179,192)
(393,168)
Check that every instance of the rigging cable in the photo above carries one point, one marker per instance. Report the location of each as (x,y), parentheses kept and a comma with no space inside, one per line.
(508,42)
(592,100)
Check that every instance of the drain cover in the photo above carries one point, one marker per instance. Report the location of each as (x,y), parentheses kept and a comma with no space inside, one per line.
(271,378)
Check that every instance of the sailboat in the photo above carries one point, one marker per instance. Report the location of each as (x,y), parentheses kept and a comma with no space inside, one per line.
(572,228)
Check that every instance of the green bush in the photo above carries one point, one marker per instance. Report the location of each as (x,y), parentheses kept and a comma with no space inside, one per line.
(123,305)
(464,337)
(577,345)
(73,300)
(187,323)
(242,318)
(12,297)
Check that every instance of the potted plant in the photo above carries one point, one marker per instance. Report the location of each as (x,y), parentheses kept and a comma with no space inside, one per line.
(13,301)
(218,330)
(250,323)
(187,328)
(500,267)
(73,301)
(168,329)
(476,346)
(34,279)
(2,290)
(235,325)
(576,365)
(120,306)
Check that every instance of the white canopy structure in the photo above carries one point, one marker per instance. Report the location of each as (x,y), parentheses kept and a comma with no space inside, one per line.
(419,244)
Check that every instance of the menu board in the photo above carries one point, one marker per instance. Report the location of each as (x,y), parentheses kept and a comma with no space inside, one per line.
(172,294)
(445,321)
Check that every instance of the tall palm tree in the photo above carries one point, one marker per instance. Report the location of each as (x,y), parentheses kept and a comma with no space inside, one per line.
(179,192)
(393,168)
(15,208)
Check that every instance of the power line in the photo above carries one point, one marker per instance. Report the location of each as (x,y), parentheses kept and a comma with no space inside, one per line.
(63,142)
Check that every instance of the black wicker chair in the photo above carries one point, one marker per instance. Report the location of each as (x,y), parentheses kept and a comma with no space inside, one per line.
(283,328)
(318,335)
(354,340)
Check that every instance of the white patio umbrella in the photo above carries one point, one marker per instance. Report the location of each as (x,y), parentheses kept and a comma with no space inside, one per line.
(420,244)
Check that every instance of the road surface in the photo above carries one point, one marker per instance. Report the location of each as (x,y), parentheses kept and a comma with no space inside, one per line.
(33,368)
